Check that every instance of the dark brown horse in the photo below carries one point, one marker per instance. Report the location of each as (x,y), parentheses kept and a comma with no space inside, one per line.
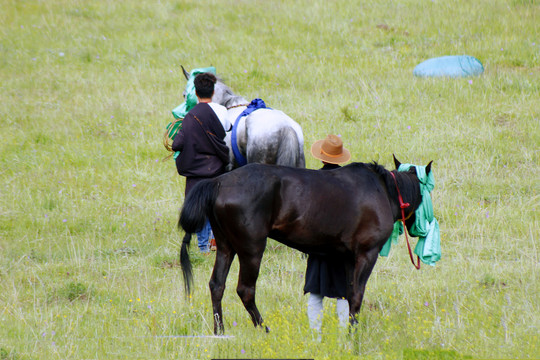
(348,211)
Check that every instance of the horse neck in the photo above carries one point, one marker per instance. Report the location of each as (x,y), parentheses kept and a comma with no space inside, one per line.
(228,98)
(236,101)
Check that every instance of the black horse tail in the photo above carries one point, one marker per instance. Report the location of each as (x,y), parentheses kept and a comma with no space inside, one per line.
(198,205)
(193,215)
(290,151)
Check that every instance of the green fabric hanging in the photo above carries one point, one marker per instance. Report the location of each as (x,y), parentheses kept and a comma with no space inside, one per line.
(426,226)
(191,100)
(398,230)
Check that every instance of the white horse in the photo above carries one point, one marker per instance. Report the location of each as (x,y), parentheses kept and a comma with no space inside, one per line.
(265,136)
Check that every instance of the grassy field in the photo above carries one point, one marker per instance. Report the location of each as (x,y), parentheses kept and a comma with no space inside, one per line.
(88,211)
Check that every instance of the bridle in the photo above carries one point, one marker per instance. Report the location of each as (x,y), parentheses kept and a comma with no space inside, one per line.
(403,206)
(235,106)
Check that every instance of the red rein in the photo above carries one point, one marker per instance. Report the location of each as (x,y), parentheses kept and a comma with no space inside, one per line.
(403,206)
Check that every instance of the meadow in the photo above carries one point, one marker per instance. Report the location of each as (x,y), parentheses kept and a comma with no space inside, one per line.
(88,209)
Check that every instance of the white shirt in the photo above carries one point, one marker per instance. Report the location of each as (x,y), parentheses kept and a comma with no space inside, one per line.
(222,114)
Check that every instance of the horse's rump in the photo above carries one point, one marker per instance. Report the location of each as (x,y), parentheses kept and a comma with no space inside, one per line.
(272,137)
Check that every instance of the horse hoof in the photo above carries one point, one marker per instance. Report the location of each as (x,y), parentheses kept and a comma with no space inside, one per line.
(267,329)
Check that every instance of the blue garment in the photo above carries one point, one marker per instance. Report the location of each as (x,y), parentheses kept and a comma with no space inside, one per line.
(203,237)
(254,105)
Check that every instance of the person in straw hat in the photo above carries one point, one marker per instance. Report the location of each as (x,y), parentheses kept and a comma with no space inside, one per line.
(325,274)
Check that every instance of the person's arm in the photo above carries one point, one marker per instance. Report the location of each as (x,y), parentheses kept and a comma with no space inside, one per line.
(178,142)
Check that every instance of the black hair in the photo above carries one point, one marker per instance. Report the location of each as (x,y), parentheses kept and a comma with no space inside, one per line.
(204,85)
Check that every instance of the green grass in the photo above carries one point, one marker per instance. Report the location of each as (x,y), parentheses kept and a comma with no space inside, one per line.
(88,212)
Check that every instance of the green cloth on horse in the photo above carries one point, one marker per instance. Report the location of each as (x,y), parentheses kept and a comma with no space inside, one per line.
(426,226)
(393,239)
(181,110)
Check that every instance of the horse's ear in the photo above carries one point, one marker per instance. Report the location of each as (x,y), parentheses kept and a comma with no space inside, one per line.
(186,74)
(428,167)
(396,161)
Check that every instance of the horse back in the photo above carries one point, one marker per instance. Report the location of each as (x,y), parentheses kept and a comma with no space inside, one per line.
(341,209)
(306,209)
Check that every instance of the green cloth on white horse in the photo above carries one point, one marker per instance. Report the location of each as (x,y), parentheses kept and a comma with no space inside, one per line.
(191,100)
(426,226)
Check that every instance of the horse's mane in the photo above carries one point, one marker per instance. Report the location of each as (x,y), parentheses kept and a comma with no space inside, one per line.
(372,166)
(377,169)
(407,187)
(385,176)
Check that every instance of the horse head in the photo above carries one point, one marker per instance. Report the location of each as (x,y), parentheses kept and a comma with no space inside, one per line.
(223,95)
(397,163)
(186,74)
(409,186)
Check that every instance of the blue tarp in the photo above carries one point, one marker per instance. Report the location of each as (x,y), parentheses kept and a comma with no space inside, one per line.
(449,66)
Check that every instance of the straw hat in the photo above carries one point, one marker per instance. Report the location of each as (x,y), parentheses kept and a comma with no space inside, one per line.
(330,150)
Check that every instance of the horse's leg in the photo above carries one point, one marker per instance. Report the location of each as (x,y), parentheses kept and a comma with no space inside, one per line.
(350,270)
(224,259)
(249,272)
(362,270)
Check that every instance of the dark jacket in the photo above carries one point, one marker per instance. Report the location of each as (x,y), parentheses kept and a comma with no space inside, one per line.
(325,274)
(203,152)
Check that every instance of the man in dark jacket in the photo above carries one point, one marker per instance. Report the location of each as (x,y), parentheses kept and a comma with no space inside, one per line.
(203,152)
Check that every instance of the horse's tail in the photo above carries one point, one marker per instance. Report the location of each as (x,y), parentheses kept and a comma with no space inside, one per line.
(197,205)
(185,263)
(290,152)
